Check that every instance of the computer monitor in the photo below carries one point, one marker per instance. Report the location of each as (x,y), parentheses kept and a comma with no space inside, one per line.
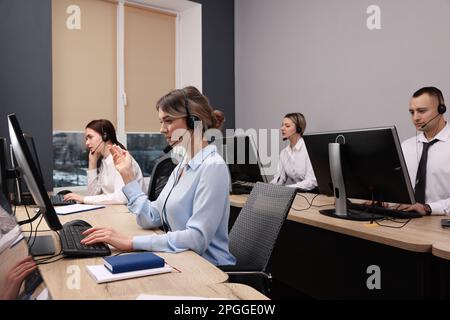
(22,195)
(363,164)
(241,156)
(29,172)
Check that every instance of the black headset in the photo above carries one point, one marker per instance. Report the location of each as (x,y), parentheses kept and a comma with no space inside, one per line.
(105,136)
(441,107)
(190,119)
(298,127)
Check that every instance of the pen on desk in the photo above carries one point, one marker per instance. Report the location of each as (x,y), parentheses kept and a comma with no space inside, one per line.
(176,269)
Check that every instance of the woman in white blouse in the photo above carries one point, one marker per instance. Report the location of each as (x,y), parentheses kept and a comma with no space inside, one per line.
(294,166)
(104,182)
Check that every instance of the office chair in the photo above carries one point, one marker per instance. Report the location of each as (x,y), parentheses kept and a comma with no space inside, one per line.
(160,175)
(255,233)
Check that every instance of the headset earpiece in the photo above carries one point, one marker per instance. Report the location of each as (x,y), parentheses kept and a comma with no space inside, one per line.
(105,137)
(190,119)
(298,127)
(442,108)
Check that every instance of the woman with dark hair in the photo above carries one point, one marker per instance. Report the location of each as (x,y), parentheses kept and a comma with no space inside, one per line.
(294,166)
(104,182)
(193,208)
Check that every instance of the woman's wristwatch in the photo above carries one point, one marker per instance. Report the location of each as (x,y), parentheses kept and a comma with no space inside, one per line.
(427,209)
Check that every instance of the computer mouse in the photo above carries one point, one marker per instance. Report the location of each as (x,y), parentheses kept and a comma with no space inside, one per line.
(78,222)
(64,192)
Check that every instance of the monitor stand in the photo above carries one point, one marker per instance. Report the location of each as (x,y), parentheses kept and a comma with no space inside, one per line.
(341,211)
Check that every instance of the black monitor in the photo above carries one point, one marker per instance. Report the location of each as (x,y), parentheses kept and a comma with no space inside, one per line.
(241,156)
(29,172)
(22,195)
(363,164)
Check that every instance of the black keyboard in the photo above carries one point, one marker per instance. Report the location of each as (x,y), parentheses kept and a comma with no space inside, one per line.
(58,200)
(70,241)
(385,211)
(244,188)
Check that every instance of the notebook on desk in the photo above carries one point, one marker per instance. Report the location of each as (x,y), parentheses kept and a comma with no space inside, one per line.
(101,274)
(75,208)
(133,262)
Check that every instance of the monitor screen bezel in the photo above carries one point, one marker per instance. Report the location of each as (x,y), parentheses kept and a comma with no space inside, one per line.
(324,177)
(253,152)
(29,172)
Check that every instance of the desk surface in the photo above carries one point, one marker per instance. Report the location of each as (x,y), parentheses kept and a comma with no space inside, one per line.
(63,282)
(419,235)
(232,291)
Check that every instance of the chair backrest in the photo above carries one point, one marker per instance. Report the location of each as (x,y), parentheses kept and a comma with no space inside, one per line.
(160,175)
(256,229)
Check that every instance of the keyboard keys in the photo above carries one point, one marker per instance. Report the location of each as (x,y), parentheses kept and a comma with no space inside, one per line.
(70,242)
(58,200)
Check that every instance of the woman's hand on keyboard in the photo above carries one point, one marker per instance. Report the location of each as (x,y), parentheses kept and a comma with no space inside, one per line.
(109,236)
(74,196)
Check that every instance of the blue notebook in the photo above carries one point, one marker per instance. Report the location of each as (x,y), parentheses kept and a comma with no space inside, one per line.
(133,262)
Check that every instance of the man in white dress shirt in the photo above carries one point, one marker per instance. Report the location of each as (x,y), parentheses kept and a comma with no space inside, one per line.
(427,154)
(294,166)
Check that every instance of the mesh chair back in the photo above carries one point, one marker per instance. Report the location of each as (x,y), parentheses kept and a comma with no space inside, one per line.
(160,175)
(256,229)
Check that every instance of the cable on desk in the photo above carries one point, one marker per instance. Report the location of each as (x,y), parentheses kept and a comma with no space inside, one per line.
(311,203)
(35,231)
(31,225)
(61,256)
(404,223)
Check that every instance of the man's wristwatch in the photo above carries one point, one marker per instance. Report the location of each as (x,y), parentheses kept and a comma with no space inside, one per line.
(427,209)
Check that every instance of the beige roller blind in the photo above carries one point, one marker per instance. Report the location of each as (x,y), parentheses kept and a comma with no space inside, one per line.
(84,63)
(149,65)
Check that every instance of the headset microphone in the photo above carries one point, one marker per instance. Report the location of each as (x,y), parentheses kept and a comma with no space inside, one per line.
(426,123)
(92,152)
(170,146)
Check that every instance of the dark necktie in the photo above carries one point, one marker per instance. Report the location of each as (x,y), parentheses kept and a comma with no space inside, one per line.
(421,177)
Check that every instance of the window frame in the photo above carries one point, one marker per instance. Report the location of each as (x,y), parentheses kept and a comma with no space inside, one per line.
(188,53)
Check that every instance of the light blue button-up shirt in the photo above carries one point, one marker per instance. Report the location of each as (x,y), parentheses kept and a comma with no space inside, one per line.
(197,210)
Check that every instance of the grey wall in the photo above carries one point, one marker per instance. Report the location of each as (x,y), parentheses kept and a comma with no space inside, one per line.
(26,73)
(319,58)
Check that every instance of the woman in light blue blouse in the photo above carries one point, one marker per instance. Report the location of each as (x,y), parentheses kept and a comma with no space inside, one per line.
(193,207)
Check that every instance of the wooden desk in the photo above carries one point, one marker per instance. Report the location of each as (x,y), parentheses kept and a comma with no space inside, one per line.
(441,250)
(62,278)
(326,257)
(232,291)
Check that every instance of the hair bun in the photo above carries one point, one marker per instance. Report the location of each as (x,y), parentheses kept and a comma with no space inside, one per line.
(218,119)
